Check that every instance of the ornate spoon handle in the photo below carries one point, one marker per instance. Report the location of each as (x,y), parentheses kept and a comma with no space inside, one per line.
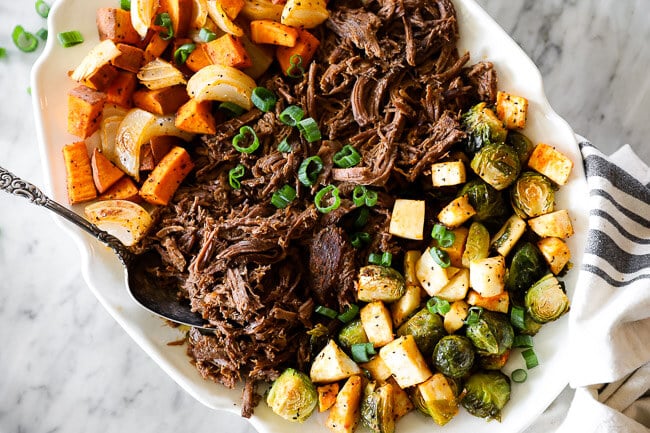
(12,184)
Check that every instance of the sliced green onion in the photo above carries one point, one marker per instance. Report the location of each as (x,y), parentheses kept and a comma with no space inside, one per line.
(164,20)
(531,358)
(519,375)
(70,38)
(292,115)
(295,69)
(244,132)
(517,317)
(473,314)
(42,8)
(440,257)
(361,352)
(263,99)
(350,313)
(24,40)
(284,146)
(445,237)
(309,129)
(207,35)
(282,197)
(346,157)
(362,195)
(327,312)
(3,52)
(362,218)
(231,109)
(320,198)
(309,170)
(522,341)
(234,175)
(183,52)
(42,34)
(125,4)
(438,305)
(383,259)
(358,239)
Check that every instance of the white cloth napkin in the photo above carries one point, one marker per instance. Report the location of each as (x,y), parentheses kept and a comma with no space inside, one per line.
(609,324)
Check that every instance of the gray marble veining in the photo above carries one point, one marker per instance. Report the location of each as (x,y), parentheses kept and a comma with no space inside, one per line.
(66,366)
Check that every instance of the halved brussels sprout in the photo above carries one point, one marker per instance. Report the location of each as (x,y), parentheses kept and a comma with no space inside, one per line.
(491,334)
(486,201)
(454,356)
(494,362)
(486,393)
(482,127)
(426,328)
(293,396)
(527,266)
(532,195)
(377,408)
(546,300)
(380,283)
(497,164)
(352,333)
(531,327)
(522,145)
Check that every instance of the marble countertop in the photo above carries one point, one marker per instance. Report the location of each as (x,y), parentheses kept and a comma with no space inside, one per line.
(67,366)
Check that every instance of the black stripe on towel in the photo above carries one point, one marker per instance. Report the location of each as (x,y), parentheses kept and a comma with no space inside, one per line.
(612,282)
(604,215)
(600,167)
(601,245)
(625,211)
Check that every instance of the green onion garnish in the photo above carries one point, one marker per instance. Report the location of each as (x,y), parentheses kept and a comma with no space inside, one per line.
(519,375)
(234,175)
(295,70)
(232,110)
(284,146)
(182,53)
(263,99)
(359,238)
(282,197)
(24,40)
(309,170)
(531,358)
(346,157)
(42,34)
(320,199)
(327,312)
(362,195)
(445,238)
(309,129)
(292,115)
(517,317)
(362,218)
(245,131)
(207,35)
(440,257)
(438,305)
(42,8)
(125,4)
(474,313)
(522,341)
(361,351)
(69,39)
(383,259)
(164,20)
(349,314)
(3,52)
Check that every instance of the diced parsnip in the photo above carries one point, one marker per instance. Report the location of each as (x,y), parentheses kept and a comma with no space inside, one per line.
(551,163)
(130,58)
(556,252)
(344,415)
(456,212)
(164,180)
(455,251)
(105,173)
(228,50)
(79,175)
(196,117)
(305,47)
(121,90)
(487,276)
(402,404)
(407,304)
(457,287)
(305,13)
(327,396)
(499,303)
(123,189)
(431,275)
(84,111)
(221,19)
(274,33)
(180,14)
(506,238)
(166,100)
(455,317)
(407,219)
(332,365)
(262,10)
(512,110)
(448,173)
(125,220)
(377,323)
(439,398)
(115,24)
(377,369)
(411,258)
(555,224)
(405,361)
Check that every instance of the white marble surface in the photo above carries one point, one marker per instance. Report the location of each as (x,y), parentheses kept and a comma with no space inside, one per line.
(66,366)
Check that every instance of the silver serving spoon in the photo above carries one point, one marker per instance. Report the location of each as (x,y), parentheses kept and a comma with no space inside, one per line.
(142,285)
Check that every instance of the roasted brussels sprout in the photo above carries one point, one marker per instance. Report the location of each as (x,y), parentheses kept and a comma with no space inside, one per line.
(486,393)
(531,327)
(477,245)
(426,328)
(454,356)
(497,164)
(482,127)
(352,333)
(380,283)
(532,195)
(377,408)
(486,201)
(527,266)
(546,300)
(293,396)
(494,362)
(522,145)
(491,334)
